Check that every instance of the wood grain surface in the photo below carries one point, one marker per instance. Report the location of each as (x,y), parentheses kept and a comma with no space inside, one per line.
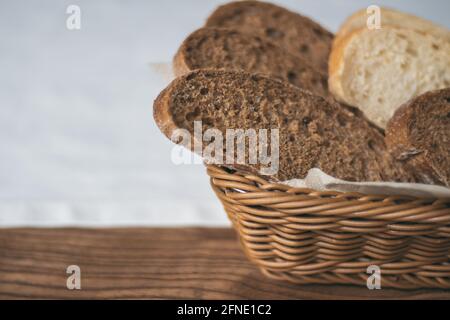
(151,263)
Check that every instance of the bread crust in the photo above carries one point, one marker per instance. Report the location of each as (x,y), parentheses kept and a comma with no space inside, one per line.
(179,64)
(388,15)
(161,114)
(346,25)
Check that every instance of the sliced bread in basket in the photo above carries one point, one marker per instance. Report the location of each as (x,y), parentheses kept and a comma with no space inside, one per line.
(293,32)
(419,136)
(312,132)
(378,70)
(230,49)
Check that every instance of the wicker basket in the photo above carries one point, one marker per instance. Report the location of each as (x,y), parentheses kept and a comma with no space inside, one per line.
(306,236)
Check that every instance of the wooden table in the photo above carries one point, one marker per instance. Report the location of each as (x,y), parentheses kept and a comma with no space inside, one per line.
(175,263)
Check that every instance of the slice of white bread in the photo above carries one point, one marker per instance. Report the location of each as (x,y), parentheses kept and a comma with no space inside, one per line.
(395,18)
(378,70)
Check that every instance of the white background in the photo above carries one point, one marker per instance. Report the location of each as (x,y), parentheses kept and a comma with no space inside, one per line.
(78,145)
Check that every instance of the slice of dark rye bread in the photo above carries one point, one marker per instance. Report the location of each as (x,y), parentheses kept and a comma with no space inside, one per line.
(293,32)
(419,135)
(230,49)
(312,132)
(221,48)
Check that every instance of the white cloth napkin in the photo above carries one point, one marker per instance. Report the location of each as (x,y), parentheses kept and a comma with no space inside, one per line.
(318,180)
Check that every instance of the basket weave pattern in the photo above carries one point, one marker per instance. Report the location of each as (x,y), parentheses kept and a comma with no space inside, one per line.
(306,236)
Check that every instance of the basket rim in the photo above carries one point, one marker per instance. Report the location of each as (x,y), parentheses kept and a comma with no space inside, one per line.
(217,171)
(307,236)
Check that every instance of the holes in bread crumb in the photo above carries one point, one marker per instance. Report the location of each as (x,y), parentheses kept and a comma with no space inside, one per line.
(274,33)
(216,105)
(204,91)
(253,108)
(341,120)
(259,43)
(380,100)
(291,76)
(435,46)
(411,51)
(306,121)
(291,138)
(304,48)
(371,144)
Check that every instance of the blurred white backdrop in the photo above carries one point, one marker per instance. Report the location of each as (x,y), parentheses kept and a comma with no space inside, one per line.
(78,145)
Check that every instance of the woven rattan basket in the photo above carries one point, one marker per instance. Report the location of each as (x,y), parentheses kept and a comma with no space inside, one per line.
(306,236)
